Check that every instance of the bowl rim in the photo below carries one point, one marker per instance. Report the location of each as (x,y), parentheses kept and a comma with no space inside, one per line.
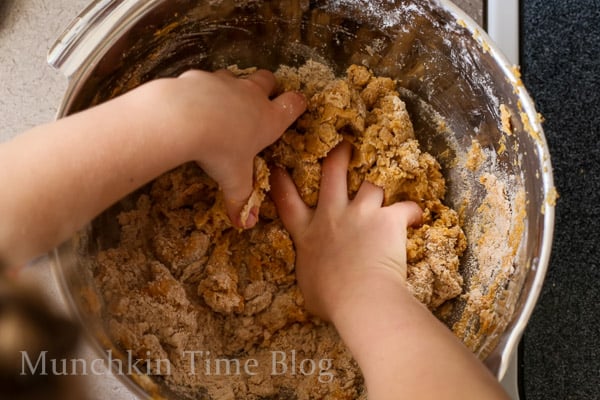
(499,361)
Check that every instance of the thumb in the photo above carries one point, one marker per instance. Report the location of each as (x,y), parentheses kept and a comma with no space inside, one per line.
(294,213)
(409,212)
(288,107)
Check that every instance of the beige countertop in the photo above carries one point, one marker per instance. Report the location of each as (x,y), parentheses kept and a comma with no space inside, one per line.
(30,92)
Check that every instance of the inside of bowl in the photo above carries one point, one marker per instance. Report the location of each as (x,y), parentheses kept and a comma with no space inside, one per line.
(457,93)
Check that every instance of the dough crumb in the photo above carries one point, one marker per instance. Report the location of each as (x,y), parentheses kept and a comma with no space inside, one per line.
(475,157)
(505,118)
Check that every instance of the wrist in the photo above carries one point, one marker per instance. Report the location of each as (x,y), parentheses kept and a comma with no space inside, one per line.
(160,118)
(375,295)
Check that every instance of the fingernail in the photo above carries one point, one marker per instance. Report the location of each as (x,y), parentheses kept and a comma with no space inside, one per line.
(302,98)
(252,218)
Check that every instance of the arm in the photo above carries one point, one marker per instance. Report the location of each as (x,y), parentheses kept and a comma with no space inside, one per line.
(58,176)
(357,280)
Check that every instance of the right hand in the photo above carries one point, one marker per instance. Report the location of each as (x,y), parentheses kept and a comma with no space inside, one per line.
(343,247)
(222,122)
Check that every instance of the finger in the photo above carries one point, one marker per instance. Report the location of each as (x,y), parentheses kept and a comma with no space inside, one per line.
(369,194)
(192,74)
(224,73)
(263,79)
(333,193)
(288,107)
(294,213)
(409,212)
(236,191)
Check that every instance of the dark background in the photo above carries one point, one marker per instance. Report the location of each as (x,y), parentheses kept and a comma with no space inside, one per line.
(560,351)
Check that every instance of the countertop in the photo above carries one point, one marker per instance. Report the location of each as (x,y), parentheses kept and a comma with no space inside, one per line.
(561,68)
(30,90)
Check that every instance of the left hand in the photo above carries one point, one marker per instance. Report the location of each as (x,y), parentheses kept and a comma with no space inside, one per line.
(344,247)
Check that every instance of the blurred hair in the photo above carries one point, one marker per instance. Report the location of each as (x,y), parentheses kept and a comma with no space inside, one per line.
(28,326)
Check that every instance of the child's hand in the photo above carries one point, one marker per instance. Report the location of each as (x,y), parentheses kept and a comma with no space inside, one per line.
(343,245)
(222,122)
(213,118)
(351,268)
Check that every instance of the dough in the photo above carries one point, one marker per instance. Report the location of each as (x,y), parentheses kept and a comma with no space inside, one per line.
(221,306)
(368,112)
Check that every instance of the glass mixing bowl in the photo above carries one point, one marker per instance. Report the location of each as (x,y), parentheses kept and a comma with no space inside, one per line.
(447,66)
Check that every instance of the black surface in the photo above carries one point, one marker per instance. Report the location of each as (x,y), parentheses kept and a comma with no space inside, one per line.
(561,69)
